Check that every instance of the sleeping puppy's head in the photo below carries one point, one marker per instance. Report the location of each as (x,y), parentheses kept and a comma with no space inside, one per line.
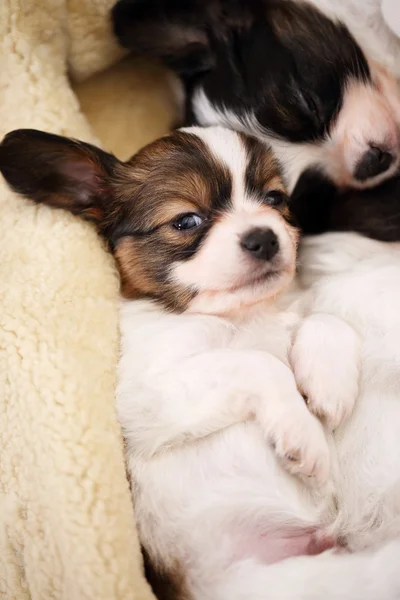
(279,70)
(197,220)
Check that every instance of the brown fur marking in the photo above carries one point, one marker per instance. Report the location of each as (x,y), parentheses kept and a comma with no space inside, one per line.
(173,176)
(165,586)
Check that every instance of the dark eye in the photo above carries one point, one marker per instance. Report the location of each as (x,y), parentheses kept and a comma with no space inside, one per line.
(187,221)
(275,198)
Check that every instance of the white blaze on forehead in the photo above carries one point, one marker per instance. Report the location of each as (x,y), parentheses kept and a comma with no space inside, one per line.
(228,148)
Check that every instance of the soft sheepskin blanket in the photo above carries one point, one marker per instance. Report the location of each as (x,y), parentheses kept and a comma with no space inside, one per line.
(67,527)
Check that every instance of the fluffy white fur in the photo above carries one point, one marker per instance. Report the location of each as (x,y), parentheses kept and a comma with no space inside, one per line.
(220,504)
(366,20)
(208,403)
(391,15)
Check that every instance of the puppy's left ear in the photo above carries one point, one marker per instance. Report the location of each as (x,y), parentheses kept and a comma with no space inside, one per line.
(58,171)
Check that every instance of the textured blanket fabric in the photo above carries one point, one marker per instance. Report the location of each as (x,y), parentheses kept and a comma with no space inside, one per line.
(67,527)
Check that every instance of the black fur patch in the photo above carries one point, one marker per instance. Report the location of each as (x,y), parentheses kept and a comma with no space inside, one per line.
(288,66)
(284,62)
(319,207)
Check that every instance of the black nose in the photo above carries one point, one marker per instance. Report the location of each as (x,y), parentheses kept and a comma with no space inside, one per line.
(374,162)
(260,243)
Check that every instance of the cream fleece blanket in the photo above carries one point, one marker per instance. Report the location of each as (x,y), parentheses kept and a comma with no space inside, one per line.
(67,528)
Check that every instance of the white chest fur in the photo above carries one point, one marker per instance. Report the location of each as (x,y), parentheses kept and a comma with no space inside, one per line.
(211,498)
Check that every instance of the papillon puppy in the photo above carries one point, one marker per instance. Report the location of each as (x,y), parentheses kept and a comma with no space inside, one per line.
(289,72)
(241,490)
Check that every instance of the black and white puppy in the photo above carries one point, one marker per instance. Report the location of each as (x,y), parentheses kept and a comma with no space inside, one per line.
(282,71)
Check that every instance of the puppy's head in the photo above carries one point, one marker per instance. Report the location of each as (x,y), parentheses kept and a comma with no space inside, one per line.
(282,71)
(197,220)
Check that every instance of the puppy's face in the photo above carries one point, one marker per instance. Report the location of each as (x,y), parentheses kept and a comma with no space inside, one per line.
(281,71)
(197,220)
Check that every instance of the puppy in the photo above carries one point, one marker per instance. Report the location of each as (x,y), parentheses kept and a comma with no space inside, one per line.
(218,437)
(280,70)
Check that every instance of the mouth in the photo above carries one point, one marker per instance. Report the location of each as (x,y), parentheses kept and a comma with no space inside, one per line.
(245,293)
(259,280)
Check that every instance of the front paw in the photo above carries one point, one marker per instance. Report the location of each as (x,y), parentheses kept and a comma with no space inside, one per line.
(300,442)
(326,368)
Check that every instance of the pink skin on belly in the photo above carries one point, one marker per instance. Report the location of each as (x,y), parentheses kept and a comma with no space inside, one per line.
(271,547)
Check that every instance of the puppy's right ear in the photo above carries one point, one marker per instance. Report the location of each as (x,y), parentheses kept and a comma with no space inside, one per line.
(172,31)
(58,171)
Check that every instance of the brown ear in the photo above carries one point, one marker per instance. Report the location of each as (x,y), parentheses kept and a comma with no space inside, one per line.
(58,171)
(170,30)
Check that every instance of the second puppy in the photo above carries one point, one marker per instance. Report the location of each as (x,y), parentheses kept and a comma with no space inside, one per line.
(289,72)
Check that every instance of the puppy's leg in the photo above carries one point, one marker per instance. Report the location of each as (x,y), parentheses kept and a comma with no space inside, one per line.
(373,575)
(214,390)
(325,358)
